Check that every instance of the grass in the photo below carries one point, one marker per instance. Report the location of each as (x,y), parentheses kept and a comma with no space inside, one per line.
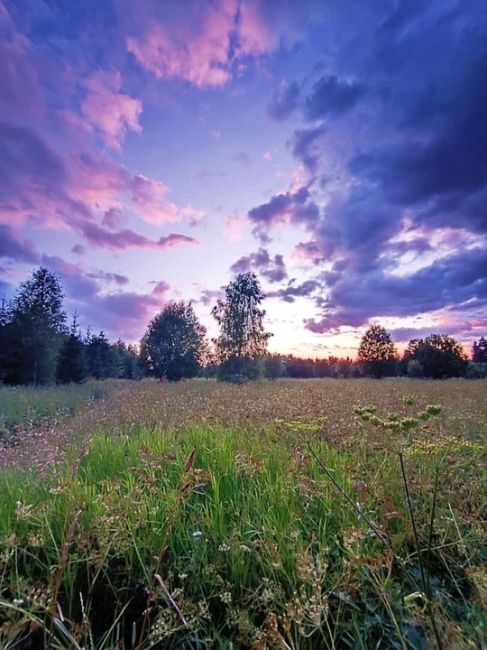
(285,525)
(34,422)
(27,406)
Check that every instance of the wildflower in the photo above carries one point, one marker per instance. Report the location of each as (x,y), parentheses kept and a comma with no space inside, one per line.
(226,597)
(224,547)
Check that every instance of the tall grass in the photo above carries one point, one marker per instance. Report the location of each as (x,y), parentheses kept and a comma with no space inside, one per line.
(27,406)
(216,535)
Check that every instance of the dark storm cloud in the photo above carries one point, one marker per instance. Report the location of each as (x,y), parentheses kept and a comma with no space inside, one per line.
(455,280)
(331,96)
(411,161)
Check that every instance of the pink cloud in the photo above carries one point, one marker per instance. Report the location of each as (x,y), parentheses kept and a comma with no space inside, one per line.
(192,45)
(108,110)
(204,43)
(60,191)
(148,198)
(192,215)
(256,35)
(234,227)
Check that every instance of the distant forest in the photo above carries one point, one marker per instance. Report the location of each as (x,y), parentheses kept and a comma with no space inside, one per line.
(39,347)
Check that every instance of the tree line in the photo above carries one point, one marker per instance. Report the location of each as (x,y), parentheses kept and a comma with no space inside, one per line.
(38,347)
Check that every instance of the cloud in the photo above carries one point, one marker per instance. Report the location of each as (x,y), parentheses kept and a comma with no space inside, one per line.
(224,35)
(293,291)
(210,296)
(271,268)
(331,96)
(70,192)
(117,278)
(14,248)
(161,288)
(285,101)
(306,146)
(122,314)
(393,176)
(107,109)
(159,42)
(21,94)
(103,238)
(148,197)
(289,207)
(234,227)
(114,218)
(459,279)
(241,157)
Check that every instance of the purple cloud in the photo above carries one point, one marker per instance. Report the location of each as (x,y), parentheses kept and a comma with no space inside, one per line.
(293,291)
(292,207)
(285,101)
(271,268)
(14,248)
(331,96)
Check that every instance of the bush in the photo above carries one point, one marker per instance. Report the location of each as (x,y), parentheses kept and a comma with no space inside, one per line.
(415,369)
(476,370)
(273,367)
(240,370)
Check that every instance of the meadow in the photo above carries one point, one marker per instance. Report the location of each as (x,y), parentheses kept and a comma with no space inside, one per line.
(287,514)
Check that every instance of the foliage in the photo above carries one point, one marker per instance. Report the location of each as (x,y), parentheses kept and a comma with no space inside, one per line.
(377,352)
(440,356)
(242,334)
(210,535)
(174,343)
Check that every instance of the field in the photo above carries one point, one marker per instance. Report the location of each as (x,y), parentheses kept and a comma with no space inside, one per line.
(287,514)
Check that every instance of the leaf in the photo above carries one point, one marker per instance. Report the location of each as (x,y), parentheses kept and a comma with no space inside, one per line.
(189,463)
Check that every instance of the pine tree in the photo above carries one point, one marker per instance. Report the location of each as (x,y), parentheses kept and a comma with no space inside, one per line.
(101,359)
(37,322)
(72,360)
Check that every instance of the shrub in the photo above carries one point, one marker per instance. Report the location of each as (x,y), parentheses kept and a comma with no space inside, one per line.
(415,369)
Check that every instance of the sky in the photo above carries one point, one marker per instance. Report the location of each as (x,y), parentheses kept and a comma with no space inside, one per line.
(150,150)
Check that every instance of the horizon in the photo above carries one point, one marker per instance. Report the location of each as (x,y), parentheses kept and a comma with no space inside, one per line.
(148,153)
